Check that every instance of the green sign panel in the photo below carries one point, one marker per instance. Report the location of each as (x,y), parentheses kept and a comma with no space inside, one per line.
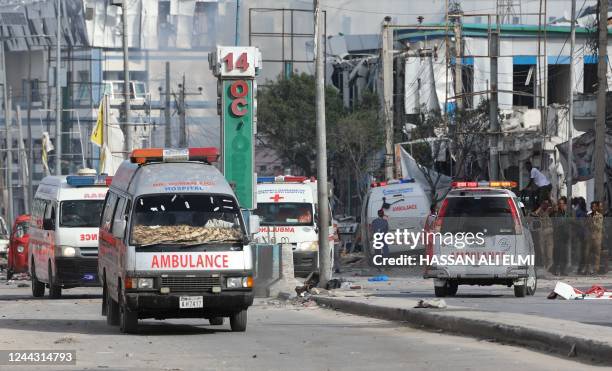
(237,136)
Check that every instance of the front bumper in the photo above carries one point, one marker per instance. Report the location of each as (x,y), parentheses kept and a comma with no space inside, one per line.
(76,272)
(160,306)
(305,262)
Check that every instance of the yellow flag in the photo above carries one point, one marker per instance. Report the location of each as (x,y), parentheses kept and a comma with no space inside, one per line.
(98,131)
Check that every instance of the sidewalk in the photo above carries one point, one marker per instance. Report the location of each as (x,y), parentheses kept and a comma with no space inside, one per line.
(578,328)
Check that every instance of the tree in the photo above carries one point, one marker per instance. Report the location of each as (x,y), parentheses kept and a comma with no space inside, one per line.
(358,136)
(286,119)
(456,146)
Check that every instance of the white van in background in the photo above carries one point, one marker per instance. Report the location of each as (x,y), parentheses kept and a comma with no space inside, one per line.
(405,204)
(287,208)
(63,247)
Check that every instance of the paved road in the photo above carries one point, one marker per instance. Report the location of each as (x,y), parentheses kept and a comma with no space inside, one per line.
(408,283)
(279,336)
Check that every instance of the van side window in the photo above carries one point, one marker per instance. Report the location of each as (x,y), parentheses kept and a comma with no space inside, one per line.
(49,219)
(118,214)
(109,210)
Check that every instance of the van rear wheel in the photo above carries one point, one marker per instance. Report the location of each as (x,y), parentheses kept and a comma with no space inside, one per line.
(520,291)
(440,291)
(238,321)
(38,288)
(103,309)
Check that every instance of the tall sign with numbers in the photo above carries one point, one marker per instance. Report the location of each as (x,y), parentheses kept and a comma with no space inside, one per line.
(236,68)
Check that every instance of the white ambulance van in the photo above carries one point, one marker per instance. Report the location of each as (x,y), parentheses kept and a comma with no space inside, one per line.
(287,210)
(173,243)
(406,207)
(63,248)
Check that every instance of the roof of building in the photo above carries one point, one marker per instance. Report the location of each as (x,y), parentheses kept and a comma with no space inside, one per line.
(482,29)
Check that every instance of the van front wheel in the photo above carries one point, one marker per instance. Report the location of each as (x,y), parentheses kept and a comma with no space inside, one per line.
(128,320)
(440,291)
(238,321)
(38,288)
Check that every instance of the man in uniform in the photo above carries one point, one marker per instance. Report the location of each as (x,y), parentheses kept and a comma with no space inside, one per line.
(545,234)
(594,238)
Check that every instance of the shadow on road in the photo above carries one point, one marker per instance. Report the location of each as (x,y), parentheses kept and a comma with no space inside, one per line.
(26,297)
(99,327)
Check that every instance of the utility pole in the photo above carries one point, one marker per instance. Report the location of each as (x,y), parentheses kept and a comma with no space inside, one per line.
(183,127)
(493,123)
(600,124)
(58,92)
(167,128)
(22,156)
(570,128)
(182,110)
(126,79)
(9,155)
(30,138)
(387,83)
(458,63)
(325,252)
(237,34)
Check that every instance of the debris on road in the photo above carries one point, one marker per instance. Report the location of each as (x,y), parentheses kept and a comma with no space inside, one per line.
(569,292)
(434,303)
(380,278)
(65,340)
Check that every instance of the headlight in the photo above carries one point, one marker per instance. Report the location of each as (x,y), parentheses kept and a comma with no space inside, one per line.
(145,283)
(20,248)
(308,246)
(65,251)
(233,282)
(247,281)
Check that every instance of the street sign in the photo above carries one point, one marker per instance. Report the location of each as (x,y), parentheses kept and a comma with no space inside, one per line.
(237,133)
(237,61)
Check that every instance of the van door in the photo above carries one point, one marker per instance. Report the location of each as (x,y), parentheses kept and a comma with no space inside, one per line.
(489,215)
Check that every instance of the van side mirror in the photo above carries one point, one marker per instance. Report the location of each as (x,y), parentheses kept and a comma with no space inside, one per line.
(253,224)
(48,224)
(119,228)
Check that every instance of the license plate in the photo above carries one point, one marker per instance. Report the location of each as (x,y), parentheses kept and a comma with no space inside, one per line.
(188,302)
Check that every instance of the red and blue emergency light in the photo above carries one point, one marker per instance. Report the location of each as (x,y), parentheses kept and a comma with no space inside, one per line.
(145,155)
(284,179)
(492,184)
(89,180)
(393,181)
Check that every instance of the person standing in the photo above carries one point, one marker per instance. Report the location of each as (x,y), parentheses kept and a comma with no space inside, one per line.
(539,185)
(594,239)
(579,245)
(561,237)
(545,234)
(381,225)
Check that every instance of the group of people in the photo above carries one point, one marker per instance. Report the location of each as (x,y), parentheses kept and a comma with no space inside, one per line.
(559,235)
(561,232)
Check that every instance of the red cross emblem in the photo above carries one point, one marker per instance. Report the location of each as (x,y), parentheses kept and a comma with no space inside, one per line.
(276,197)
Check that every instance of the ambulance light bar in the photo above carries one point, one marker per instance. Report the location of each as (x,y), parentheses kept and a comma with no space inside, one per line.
(493,184)
(284,179)
(89,180)
(144,155)
(392,181)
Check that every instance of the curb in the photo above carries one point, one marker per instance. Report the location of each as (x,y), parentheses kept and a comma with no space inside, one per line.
(571,347)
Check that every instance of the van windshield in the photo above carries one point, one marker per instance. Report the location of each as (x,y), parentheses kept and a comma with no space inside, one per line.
(284,213)
(80,213)
(186,219)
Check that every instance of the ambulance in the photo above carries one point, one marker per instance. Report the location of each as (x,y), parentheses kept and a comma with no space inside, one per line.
(173,242)
(63,246)
(406,207)
(287,209)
